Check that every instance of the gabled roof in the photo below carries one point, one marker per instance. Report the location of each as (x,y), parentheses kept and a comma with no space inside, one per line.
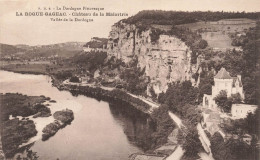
(234,81)
(223,74)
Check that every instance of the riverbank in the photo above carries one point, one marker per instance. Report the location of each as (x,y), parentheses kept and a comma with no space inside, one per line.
(122,97)
(19,120)
(163,149)
(16,131)
(36,69)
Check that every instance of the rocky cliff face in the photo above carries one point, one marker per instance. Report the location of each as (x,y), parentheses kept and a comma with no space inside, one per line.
(166,60)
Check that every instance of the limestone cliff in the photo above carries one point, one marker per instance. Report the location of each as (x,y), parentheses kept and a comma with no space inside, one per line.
(166,60)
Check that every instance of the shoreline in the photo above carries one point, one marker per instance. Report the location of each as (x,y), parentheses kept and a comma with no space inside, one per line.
(24,72)
(115,95)
(103,94)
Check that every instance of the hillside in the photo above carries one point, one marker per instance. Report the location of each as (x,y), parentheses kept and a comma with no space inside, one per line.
(170,46)
(67,49)
(148,17)
(6,49)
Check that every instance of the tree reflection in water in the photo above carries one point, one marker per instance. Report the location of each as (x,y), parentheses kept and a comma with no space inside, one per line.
(137,125)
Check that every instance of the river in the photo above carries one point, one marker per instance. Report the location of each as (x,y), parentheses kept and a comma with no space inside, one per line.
(99,131)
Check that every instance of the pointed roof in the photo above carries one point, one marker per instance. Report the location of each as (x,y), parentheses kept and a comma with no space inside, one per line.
(223,74)
(234,81)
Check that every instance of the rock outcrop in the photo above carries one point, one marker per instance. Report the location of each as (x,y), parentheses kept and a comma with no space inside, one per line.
(62,118)
(166,60)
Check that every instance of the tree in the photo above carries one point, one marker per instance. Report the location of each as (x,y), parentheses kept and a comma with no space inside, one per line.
(218,148)
(189,139)
(235,98)
(74,79)
(231,149)
(205,85)
(252,122)
(178,95)
(203,44)
(223,102)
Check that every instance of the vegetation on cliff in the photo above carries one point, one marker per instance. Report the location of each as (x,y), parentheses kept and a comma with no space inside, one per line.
(134,78)
(97,43)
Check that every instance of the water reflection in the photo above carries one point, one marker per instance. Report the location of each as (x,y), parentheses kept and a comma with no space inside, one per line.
(137,126)
(100,131)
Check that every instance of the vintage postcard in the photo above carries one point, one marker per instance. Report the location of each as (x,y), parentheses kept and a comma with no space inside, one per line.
(129,79)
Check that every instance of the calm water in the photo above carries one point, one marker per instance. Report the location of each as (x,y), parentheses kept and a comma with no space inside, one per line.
(99,131)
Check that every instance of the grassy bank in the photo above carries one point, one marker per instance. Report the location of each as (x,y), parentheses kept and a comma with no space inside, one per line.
(17,131)
(36,69)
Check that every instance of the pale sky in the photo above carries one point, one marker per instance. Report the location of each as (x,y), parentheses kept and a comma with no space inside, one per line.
(40,30)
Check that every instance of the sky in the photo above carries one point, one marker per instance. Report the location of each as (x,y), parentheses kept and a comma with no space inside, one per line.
(33,30)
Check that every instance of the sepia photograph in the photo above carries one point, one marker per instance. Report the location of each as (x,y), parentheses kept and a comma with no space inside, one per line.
(129,80)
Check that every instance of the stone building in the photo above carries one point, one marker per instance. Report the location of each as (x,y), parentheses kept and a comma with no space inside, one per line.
(241,110)
(223,81)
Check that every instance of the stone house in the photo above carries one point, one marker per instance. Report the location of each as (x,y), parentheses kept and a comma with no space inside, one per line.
(223,81)
(241,110)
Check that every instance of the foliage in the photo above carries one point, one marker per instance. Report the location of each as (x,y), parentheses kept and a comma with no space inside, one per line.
(64,116)
(243,63)
(252,123)
(63,75)
(134,77)
(155,34)
(203,44)
(20,105)
(189,139)
(231,149)
(223,102)
(164,125)
(235,98)
(180,17)
(218,148)
(74,79)
(91,61)
(14,133)
(205,85)
(238,40)
(178,95)
(96,42)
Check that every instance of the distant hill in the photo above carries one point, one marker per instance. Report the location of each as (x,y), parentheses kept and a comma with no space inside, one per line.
(61,49)
(6,49)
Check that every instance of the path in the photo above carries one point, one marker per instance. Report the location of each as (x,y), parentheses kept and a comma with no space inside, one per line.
(178,153)
(176,119)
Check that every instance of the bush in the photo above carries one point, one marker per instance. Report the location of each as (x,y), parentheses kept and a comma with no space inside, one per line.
(223,102)
(203,44)
(74,79)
